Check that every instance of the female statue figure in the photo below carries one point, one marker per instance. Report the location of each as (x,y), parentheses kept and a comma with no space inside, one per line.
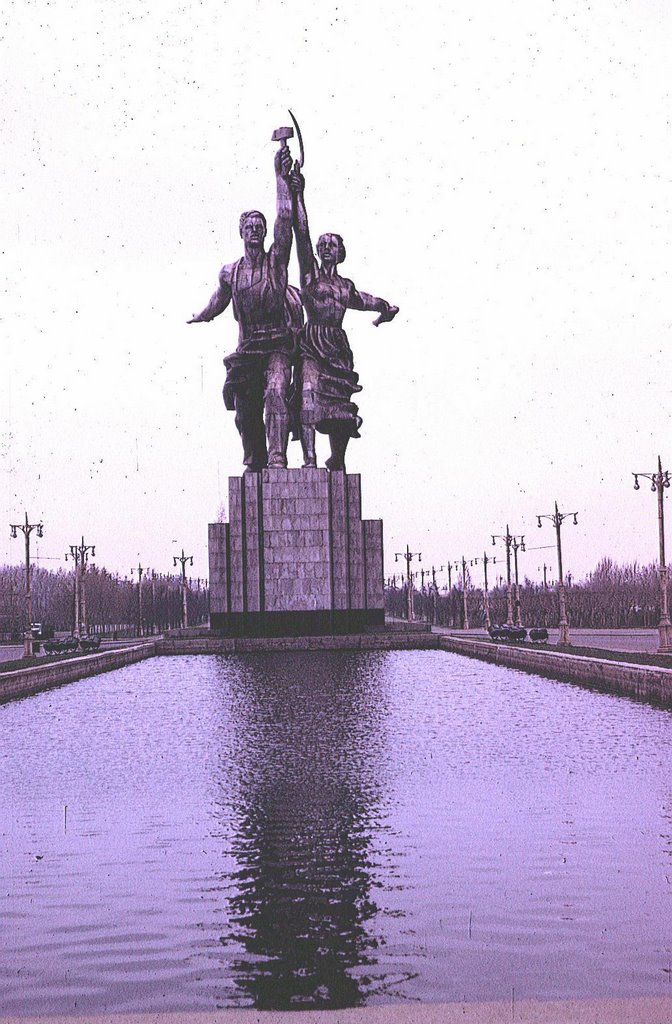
(325,378)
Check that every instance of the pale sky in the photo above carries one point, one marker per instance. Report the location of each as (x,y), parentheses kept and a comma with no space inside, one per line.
(499,170)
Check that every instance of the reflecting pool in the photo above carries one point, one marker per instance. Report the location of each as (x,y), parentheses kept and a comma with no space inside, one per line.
(327,830)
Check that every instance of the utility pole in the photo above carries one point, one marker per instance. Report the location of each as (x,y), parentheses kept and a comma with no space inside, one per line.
(558,518)
(140,571)
(183,559)
(516,544)
(659,481)
(80,554)
(408,557)
(26,529)
(486,600)
(508,539)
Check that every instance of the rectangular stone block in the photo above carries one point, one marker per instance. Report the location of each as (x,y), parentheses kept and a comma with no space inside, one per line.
(354,492)
(218,567)
(373,560)
(356,564)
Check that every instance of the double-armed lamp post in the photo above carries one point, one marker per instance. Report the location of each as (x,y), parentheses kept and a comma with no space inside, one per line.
(183,559)
(408,557)
(26,529)
(659,481)
(80,554)
(558,518)
(517,544)
(465,607)
(486,600)
(510,539)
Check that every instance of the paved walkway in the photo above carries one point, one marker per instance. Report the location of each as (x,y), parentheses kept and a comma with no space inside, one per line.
(644,641)
(10,653)
(592,1011)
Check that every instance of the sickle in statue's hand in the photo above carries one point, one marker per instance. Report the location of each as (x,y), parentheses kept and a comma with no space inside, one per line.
(299,137)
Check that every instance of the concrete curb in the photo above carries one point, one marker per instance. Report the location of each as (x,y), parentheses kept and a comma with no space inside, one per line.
(25,681)
(644,682)
(657,1010)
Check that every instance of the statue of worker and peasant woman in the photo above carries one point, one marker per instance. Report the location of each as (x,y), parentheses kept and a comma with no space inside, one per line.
(291,373)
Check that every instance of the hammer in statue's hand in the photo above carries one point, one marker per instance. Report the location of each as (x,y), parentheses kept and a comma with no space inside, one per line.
(283,158)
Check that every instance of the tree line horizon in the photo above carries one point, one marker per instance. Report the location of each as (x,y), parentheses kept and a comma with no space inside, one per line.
(612,595)
(111,601)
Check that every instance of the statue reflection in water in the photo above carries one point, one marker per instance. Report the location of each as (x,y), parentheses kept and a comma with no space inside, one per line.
(307,752)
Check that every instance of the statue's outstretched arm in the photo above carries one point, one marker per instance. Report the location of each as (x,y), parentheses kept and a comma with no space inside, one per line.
(371,303)
(282,231)
(218,302)
(304,246)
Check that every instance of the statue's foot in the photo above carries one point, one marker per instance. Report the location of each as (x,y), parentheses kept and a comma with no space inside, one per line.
(277,462)
(310,463)
(335,464)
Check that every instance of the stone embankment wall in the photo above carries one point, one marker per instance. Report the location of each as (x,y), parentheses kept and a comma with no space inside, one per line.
(642,681)
(25,681)
(394,641)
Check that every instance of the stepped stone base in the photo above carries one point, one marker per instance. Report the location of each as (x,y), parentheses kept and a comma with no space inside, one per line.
(296,558)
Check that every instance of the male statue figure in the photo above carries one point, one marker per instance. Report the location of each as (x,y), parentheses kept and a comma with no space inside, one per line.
(258,372)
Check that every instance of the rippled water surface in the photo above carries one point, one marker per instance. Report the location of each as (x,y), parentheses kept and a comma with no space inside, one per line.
(329,830)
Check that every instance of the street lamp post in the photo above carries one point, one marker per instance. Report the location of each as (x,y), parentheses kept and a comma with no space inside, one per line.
(508,539)
(435,591)
(26,529)
(465,606)
(449,610)
(74,554)
(183,559)
(486,599)
(80,554)
(141,570)
(408,557)
(517,544)
(659,481)
(424,573)
(558,518)
(153,596)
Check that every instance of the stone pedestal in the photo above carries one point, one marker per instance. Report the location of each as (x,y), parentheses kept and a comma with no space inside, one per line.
(296,557)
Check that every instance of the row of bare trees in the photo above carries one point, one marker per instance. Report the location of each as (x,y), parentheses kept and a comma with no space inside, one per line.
(113,605)
(612,596)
